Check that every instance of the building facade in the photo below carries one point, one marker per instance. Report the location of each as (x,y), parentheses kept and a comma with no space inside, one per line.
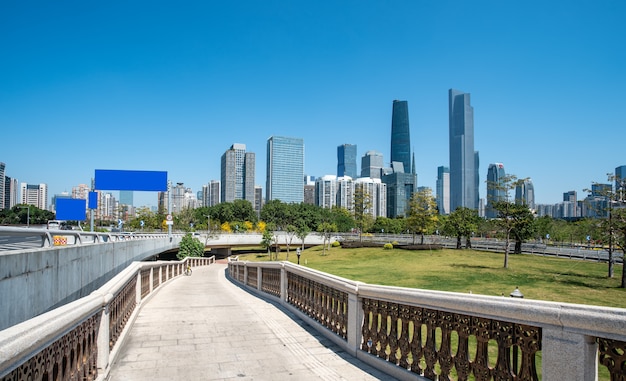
(35,194)
(400,134)
(346,160)
(372,164)
(376,192)
(326,191)
(11,192)
(237,174)
(443,190)
(464,180)
(525,193)
(495,192)
(285,169)
(2,186)
(620,182)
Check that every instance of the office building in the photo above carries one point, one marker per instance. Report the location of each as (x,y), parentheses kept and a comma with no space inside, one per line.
(464,180)
(401,179)
(400,134)
(346,160)
(495,190)
(525,193)
(211,193)
(309,190)
(372,165)
(126,197)
(2,186)
(620,182)
(11,192)
(443,190)
(237,172)
(35,194)
(258,199)
(285,169)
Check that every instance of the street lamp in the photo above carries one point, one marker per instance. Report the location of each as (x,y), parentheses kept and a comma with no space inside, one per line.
(298,254)
(27,215)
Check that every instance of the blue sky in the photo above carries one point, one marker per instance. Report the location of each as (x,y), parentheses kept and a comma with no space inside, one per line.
(158,85)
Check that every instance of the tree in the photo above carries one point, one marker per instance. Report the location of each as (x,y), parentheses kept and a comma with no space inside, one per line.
(326,228)
(619,220)
(190,247)
(302,230)
(462,222)
(510,216)
(362,209)
(423,215)
(524,227)
(267,240)
(290,233)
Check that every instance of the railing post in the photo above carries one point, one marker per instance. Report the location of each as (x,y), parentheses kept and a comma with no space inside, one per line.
(259,278)
(103,338)
(568,356)
(355,317)
(138,288)
(151,280)
(245,273)
(283,284)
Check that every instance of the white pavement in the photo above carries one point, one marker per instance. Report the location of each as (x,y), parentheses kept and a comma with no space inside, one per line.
(203,327)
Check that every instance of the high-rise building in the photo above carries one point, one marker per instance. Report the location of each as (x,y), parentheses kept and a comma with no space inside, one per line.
(400,134)
(443,190)
(326,191)
(495,190)
(345,193)
(346,160)
(11,192)
(309,190)
(2,186)
(285,169)
(401,180)
(211,193)
(372,165)
(126,197)
(464,181)
(620,182)
(376,192)
(525,193)
(35,194)
(258,199)
(237,171)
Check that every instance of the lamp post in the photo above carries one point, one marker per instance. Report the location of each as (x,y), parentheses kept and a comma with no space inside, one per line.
(298,254)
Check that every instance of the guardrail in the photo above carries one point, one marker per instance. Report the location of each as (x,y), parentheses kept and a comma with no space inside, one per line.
(80,340)
(442,335)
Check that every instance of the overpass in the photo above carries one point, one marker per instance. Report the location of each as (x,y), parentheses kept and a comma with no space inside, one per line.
(404,333)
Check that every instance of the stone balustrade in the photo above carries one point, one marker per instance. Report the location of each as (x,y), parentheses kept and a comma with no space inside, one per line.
(79,340)
(420,334)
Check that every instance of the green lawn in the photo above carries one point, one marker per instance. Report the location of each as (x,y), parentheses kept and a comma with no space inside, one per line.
(544,278)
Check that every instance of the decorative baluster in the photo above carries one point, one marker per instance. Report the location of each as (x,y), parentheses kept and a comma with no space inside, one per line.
(430,349)
(503,332)
(444,356)
(403,340)
(461,359)
(393,333)
(366,328)
(480,366)
(383,332)
(528,339)
(417,349)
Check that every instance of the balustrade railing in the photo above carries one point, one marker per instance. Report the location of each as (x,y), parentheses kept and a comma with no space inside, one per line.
(449,336)
(79,341)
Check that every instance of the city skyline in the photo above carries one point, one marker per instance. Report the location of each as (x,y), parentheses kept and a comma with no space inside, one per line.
(149,86)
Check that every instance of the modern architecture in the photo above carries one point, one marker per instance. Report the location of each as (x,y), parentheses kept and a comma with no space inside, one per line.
(2,186)
(237,172)
(443,190)
(376,192)
(346,160)
(285,169)
(620,182)
(35,194)
(495,190)
(464,180)
(372,165)
(400,134)
(525,193)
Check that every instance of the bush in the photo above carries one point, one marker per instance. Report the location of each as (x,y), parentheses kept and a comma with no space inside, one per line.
(388,246)
(335,244)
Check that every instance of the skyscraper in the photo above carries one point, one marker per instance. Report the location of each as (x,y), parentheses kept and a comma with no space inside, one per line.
(402,180)
(400,135)
(285,169)
(2,186)
(463,167)
(346,160)
(443,190)
(372,165)
(495,175)
(35,194)
(620,182)
(237,174)
(525,193)
(126,197)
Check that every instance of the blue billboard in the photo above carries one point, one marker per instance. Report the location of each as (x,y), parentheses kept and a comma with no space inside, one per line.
(71,209)
(109,179)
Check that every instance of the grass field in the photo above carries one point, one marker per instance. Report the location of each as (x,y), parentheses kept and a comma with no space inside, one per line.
(545,278)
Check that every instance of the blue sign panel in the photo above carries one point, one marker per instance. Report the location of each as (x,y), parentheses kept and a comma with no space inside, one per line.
(93,200)
(108,179)
(71,209)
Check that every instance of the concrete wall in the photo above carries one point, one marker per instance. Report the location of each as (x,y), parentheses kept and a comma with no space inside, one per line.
(35,281)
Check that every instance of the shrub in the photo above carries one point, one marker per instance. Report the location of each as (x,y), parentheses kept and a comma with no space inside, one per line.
(335,244)
(388,246)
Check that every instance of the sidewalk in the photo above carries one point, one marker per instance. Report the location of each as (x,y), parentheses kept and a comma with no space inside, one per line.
(203,327)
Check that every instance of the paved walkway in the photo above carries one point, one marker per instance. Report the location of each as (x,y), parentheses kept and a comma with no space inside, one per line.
(203,327)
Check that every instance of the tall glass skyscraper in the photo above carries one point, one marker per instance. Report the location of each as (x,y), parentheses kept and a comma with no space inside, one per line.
(620,182)
(495,175)
(400,135)
(463,159)
(285,169)
(346,160)
(443,190)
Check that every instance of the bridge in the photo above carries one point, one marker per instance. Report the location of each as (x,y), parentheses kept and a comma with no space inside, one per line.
(374,332)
